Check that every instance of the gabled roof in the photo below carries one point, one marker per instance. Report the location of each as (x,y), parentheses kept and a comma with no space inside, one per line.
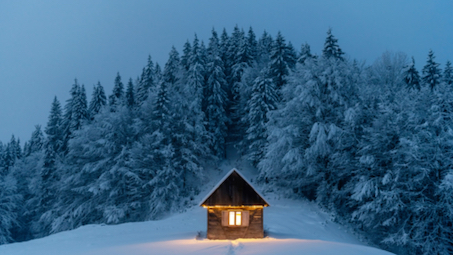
(234,190)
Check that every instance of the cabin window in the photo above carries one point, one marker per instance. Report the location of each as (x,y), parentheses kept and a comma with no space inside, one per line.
(235,218)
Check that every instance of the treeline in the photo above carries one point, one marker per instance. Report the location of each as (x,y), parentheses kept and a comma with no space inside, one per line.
(371,143)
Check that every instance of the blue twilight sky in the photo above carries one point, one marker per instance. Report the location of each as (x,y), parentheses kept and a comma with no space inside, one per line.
(45,44)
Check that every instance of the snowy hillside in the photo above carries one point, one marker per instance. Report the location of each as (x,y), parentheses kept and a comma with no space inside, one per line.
(294,227)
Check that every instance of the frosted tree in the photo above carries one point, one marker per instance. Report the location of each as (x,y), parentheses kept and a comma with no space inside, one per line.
(431,72)
(36,142)
(187,50)
(252,43)
(79,110)
(280,61)
(411,76)
(9,205)
(448,73)
(117,96)
(264,99)
(305,53)
(216,99)
(147,82)
(98,100)
(130,95)
(331,48)
(265,47)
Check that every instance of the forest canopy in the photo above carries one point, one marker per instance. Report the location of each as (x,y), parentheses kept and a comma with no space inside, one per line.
(372,144)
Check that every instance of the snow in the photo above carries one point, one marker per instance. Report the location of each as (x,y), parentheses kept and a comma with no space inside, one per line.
(294,227)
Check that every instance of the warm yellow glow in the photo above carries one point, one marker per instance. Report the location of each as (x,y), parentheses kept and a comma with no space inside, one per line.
(231,221)
(238,218)
(233,206)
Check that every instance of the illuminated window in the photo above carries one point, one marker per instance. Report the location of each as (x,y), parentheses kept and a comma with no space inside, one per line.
(235,219)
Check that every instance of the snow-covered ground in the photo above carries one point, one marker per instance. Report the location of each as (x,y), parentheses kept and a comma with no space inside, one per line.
(293,227)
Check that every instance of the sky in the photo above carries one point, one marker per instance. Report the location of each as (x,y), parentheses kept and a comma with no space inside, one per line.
(46,44)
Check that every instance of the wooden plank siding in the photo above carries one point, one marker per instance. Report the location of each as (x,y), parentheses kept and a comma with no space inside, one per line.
(217,231)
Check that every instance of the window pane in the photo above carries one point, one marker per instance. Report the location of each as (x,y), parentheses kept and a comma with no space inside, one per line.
(231,221)
(238,218)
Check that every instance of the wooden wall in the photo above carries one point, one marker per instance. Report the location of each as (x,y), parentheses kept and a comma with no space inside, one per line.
(217,231)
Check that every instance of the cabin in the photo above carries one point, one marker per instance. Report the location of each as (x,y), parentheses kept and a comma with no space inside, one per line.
(235,209)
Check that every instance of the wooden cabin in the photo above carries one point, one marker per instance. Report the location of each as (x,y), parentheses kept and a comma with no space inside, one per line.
(235,209)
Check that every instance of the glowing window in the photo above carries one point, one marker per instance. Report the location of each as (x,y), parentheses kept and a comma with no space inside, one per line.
(235,218)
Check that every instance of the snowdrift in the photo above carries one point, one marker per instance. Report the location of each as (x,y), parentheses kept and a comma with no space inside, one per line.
(293,227)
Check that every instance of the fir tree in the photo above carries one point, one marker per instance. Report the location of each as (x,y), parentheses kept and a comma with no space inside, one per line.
(305,53)
(280,61)
(448,73)
(187,50)
(130,97)
(411,76)
(264,99)
(252,44)
(79,110)
(216,97)
(265,47)
(431,72)
(117,96)
(147,82)
(36,141)
(331,48)
(98,100)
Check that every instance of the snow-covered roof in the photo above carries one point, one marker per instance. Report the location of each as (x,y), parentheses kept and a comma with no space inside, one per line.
(223,180)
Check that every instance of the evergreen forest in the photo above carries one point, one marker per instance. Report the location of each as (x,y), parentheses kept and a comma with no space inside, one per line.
(372,144)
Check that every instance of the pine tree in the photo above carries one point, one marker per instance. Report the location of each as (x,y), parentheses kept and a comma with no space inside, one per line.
(36,141)
(331,48)
(264,99)
(280,61)
(431,72)
(54,128)
(216,98)
(291,56)
(265,47)
(252,44)
(448,73)
(98,100)
(411,76)
(117,96)
(186,55)
(305,53)
(147,82)
(130,97)
(68,114)
(79,110)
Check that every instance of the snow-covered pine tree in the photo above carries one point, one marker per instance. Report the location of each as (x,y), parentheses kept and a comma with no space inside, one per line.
(79,110)
(431,72)
(331,48)
(130,94)
(411,76)
(280,60)
(305,53)
(448,73)
(117,96)
(98,100)
(252,43)
(187,50)
(264,99)
(264,47)
(147,82)
(9,204)
(36,142)
(216,99)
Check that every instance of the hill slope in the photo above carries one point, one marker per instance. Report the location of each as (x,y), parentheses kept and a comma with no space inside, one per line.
(294,227)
